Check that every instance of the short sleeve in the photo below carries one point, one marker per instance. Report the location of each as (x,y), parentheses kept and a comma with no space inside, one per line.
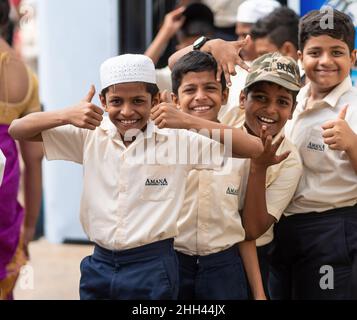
(33,104)
(280,192)
(205,153)
(65,143)
(2,165)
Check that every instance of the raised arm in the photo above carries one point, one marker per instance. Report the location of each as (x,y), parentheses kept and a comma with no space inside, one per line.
(83,115)
(166,115)
(172,23)
(256,218)
(226,54)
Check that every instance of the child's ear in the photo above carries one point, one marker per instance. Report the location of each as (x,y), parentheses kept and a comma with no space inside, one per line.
(300,55)
(292,110)
(225,95)
(103,102)
(155,100)
(242,99)
(353,57)
(288,49)
(175,100)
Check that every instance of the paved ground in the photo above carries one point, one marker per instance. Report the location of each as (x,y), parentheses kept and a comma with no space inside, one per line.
(53,272)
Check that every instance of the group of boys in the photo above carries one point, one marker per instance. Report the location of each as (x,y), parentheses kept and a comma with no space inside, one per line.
(168,229)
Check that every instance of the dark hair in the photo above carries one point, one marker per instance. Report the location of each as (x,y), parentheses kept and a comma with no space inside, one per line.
(196,29)
(199,21)
(343,29)
(4,12)
(151,88)
(194,61)
(254,85)
(279,26)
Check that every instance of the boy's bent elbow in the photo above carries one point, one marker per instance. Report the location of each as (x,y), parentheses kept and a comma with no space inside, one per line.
(251,235)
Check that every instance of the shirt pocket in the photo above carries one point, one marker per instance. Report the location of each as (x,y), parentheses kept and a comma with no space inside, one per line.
(313,150)
(230,190)
(158,183)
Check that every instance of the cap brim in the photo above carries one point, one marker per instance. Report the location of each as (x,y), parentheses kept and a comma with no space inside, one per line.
(281,82)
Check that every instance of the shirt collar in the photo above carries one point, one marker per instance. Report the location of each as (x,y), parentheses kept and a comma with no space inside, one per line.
(331,99)
(111,130)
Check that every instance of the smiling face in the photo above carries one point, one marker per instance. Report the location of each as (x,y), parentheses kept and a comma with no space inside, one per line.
(327,62)
(201,95)
(267,104)
(128,105)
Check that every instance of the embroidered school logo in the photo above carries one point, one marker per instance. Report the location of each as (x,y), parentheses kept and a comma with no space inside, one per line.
(232,191)
(316,146)
(156,182)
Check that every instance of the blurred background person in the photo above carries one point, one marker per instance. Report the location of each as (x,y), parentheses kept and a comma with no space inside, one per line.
(186,24)
(248,13)
(276,32)
(224,12)
(18,97)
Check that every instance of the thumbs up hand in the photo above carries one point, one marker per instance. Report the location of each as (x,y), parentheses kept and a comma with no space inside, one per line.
(337,133)
(167,114)
(165,97)
(85,114)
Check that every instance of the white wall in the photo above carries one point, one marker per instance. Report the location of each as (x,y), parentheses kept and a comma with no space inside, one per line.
(74,38)
(295,5)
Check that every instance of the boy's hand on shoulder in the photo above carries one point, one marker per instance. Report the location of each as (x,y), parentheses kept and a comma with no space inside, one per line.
(337,133)
(85,114)
(269,157)
(168,115)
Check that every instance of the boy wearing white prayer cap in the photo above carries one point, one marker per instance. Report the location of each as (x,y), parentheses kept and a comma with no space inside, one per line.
(132,191)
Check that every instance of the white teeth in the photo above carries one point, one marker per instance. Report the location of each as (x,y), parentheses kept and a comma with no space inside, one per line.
(128,121)
(267,120)
(203,108)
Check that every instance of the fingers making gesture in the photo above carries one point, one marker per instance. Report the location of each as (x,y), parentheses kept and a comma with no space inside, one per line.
(227,56)
(269,156)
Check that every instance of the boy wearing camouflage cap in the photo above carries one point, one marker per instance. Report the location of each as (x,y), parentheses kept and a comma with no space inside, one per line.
(269,99)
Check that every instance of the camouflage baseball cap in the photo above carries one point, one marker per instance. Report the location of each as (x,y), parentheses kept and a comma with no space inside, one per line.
(276,68)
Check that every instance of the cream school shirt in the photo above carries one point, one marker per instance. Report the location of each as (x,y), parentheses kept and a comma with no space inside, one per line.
(209,220)
(328,180)
(2,165)
(131,196)
(281,182)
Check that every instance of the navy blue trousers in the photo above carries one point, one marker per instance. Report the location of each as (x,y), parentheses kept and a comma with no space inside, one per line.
(315,256)
(218,276)
(149,272)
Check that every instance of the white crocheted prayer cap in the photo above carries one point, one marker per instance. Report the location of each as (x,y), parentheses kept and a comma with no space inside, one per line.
(250,11)
(127,68)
